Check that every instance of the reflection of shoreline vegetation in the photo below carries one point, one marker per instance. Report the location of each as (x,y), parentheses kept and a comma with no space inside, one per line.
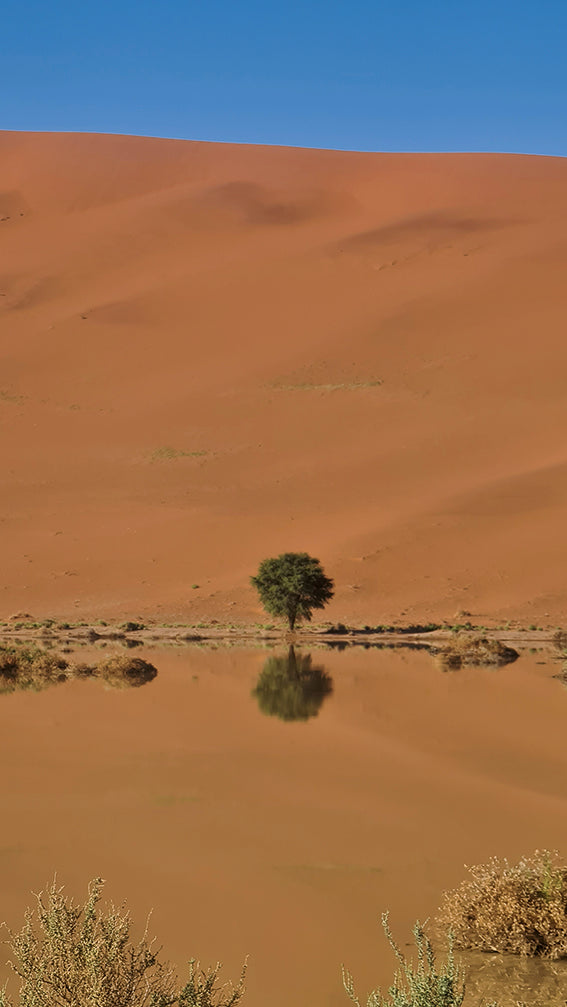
(291,687)
(33,669)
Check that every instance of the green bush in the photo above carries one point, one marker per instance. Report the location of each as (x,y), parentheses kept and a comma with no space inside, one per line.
(421,985)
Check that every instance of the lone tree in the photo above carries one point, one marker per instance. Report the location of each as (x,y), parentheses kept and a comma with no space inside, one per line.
(292,585)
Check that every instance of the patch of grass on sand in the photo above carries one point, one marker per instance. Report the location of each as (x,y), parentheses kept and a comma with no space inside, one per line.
(6,396)
(347,386)
(476,651)
(511,908)
(168,454)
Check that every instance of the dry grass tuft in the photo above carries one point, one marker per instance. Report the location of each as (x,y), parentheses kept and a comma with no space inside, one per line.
(517,909)
(477,651)
(34,669)
(560,639)
(122,671)
(30,668)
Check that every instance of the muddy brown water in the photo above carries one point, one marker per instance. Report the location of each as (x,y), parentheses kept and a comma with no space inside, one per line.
(281,839)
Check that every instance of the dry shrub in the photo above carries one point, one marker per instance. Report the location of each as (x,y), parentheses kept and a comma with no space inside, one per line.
(560,639)
(69,955)
(520,909)
(30,668)
(474,651)
(123,671)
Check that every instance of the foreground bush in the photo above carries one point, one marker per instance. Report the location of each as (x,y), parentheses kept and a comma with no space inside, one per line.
(424,985)
(520,909)
(477,651)
(69,955)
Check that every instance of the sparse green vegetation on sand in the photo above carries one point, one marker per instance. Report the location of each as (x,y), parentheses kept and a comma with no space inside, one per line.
(347,386)
(168,454)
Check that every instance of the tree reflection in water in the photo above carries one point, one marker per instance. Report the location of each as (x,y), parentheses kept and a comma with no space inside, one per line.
(291,687)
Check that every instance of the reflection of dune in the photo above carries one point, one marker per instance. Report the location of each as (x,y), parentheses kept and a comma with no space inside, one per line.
(180,293)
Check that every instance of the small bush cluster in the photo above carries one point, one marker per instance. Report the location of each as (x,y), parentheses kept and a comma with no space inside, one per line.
(478,651)
(80,956)
(123,672)
(516,908)
(30,668)
(34,669)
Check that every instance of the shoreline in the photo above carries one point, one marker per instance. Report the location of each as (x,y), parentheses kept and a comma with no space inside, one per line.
(133,634)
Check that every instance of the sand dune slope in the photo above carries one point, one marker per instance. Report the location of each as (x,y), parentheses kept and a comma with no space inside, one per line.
(213,353)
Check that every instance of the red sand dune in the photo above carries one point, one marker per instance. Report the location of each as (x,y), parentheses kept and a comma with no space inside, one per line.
(238,305)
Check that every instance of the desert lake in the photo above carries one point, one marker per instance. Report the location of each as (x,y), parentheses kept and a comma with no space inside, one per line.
(285,840)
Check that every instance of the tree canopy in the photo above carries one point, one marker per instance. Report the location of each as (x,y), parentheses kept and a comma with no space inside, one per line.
(292,585)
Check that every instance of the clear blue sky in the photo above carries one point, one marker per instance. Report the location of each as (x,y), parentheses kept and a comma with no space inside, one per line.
(365,74)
